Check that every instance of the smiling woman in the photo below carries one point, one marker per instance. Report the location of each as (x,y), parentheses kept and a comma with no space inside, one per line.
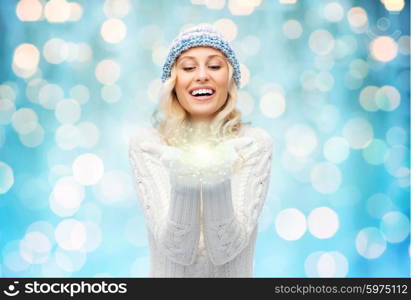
(201,175)
(202,82)
(177,125)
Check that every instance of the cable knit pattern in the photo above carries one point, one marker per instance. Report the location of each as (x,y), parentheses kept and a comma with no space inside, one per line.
(173,221)
(209,234)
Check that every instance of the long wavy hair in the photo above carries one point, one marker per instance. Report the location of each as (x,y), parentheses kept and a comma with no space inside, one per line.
(172,120)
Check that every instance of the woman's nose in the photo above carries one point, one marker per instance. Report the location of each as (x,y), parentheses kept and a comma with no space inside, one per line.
(202,74)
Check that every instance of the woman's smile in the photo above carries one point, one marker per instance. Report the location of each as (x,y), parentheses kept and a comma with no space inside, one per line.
(202,93)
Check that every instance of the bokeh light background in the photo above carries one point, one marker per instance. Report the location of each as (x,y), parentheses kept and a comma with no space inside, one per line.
(329,80)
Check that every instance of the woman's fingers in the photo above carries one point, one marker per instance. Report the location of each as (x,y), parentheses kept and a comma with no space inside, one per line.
(204,163)
(152,148)
(239,143)
(171,154)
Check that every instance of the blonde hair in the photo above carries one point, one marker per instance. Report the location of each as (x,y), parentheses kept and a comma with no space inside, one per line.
(173,121)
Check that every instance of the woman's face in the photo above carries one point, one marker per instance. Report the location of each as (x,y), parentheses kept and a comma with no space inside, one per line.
(202,82)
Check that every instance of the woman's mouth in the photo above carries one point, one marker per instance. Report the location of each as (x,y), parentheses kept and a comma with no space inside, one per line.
(203,94)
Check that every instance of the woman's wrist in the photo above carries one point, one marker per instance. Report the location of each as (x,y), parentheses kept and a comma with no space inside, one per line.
(217,201)
(185,201)
(187,184)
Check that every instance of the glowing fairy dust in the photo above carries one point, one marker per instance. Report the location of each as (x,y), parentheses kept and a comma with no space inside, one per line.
(200,155)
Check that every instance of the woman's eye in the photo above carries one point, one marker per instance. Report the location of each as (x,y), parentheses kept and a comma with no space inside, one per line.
(191,68)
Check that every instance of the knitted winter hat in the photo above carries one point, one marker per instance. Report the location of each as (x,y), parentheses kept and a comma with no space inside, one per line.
(201,35)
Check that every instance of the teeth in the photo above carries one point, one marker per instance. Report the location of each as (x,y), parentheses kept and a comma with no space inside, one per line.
(202,91)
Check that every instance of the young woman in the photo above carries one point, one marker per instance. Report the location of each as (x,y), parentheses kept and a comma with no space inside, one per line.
(201,175)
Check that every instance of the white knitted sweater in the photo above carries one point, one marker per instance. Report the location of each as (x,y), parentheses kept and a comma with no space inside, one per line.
(206,234)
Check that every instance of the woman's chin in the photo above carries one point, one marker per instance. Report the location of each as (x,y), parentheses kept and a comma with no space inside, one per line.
(202,112)
(201,116)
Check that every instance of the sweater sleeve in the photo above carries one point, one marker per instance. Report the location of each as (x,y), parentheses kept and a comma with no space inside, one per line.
(171,211)
(231,216)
